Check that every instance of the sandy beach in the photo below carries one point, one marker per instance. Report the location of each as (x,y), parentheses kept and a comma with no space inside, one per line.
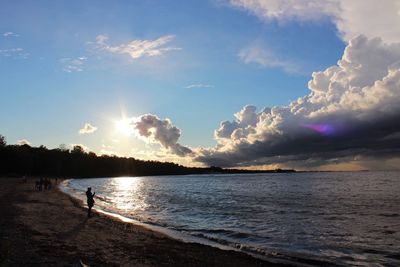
(51,229)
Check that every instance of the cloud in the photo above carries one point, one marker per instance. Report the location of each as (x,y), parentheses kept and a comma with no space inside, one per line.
(281,10)
(246,117)
(350,114)
(349,119)
(87,129)
(23,142)
(14,53)
(199,85)
(257,54)
(351,17)
(369,17)
(73,64)
(10,34)
(138,48)
(163,132)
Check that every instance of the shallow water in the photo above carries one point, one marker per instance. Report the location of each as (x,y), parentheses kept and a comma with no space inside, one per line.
(342,218)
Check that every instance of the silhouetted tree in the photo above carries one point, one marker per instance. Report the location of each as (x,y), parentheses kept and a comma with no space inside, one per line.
(78,149)
(18,160)
(2,140)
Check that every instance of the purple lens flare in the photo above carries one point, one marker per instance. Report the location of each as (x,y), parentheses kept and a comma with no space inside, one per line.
(321,128)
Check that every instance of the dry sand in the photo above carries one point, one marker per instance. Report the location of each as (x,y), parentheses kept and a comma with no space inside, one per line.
(51,229)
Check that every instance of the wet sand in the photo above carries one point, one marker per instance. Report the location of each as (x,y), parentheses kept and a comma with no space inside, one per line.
(51,229)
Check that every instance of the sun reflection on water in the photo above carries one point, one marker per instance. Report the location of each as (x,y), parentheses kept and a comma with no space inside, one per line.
(126,183)
(126,193)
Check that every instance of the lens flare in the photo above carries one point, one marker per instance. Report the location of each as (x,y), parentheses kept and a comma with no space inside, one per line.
(322,128)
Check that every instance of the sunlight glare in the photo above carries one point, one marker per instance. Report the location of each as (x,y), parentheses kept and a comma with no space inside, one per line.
(127,193)
(126,183)
(124,126)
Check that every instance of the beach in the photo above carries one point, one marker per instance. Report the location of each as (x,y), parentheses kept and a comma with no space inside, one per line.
(51,228)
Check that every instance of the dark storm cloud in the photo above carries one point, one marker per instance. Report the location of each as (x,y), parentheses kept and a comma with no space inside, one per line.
(357,138)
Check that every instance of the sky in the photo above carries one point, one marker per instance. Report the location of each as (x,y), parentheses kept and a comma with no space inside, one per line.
(261,84)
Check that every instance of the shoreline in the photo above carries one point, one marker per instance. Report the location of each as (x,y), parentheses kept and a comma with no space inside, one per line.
(51,227)
(173,234)
(275,258)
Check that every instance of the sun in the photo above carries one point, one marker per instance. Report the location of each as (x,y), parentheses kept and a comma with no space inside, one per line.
(124,126)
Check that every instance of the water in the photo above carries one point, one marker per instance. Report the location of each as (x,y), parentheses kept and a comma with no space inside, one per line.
(341,218)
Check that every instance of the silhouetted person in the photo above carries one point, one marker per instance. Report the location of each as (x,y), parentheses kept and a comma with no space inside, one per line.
(41,184)
(90,200)
(37,185)
(49,184)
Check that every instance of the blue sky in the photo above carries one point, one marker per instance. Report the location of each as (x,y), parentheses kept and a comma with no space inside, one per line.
(45,102)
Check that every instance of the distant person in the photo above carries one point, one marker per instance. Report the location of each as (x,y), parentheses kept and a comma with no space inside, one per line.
(41,182)
(90,200)
(49,184)
(37,185)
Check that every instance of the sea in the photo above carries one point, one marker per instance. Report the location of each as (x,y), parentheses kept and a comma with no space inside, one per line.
(305,218)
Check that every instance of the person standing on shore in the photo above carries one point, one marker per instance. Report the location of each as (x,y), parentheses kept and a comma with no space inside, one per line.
(90,200)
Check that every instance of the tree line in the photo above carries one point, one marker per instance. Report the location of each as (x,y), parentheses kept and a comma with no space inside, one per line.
(20,160)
